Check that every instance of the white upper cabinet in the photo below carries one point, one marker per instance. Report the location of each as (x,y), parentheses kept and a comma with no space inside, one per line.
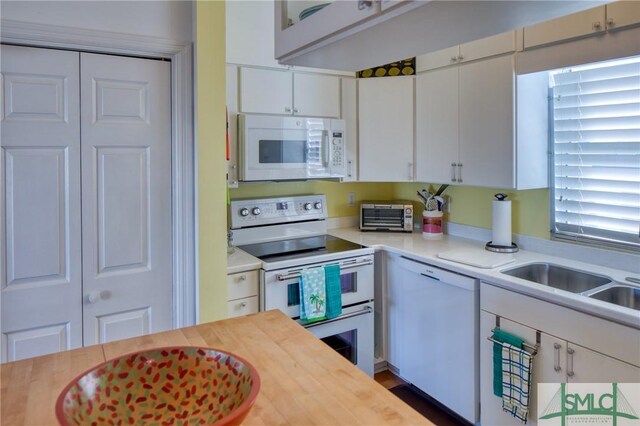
(350,116)
(437,125)
(386,129)
(273,91)
(291,33)
(265,91)
(489,46)
(316,95)
(621,14)
(486,102)
(466,126)
(586,23)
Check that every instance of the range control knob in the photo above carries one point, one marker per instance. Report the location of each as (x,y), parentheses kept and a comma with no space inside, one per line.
(318,205)
(408,210)
(256,211)
(244,212)
(307,206)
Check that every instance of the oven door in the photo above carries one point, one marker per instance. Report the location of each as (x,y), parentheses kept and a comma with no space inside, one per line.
(350,334)
(281,287)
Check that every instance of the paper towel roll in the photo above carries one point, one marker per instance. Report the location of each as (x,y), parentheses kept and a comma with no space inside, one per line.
(501,223)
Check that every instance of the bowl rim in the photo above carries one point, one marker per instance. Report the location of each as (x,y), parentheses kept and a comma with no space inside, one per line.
(237,412)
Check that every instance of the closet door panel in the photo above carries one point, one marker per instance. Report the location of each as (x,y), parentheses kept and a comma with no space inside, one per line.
(40,284)
(126,197)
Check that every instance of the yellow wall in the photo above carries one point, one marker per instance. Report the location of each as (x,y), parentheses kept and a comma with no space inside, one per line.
(337,193)
(472,206)
(211,125)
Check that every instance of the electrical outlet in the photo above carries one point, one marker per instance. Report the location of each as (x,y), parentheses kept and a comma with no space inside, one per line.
(351,199)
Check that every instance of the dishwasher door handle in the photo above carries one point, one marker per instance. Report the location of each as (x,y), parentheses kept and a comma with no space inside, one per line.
(430,276)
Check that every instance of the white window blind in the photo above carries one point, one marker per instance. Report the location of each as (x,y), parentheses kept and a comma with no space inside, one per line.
(596,150)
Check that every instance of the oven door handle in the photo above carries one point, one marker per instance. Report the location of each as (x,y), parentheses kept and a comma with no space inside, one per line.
(284,277)
(365,311)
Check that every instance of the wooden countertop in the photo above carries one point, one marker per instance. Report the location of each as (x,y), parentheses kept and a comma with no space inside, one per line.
(304,382)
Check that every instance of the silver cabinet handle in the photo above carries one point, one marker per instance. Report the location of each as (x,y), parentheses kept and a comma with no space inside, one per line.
(556,363)
(610,23)
(410,171)
(243,305)
(596,26)
(364,4)
(242,278)
(349,167)
(296,110)
(453,172)
(454,59)
(570,371)
(459,172)
(287,109)
(460,58)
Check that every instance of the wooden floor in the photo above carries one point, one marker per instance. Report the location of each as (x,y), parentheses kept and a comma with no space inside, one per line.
(430,410)
(388,379)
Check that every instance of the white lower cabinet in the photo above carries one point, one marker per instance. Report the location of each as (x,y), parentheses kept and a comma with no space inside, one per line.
(559,359)
(242,293)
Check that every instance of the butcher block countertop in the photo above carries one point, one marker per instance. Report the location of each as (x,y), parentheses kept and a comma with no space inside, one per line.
(304,382)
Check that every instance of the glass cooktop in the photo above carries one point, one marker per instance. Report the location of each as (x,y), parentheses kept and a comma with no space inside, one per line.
(296,248)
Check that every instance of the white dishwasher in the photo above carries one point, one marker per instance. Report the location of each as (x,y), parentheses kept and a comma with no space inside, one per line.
(439,336)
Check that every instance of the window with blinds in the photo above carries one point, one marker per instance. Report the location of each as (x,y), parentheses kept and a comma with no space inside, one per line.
(596,151)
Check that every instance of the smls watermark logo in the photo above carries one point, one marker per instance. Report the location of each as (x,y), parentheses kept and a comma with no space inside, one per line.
(615,404)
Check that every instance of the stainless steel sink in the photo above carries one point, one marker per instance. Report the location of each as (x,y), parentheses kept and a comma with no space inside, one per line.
(558,277)
(622,295)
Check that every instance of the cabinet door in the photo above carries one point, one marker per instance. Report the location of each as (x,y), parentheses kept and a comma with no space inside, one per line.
(316,95)
(436,125)
(488,46)
(550,355)
(587,366)
(621,14)
(350,116)
(437,59)
(581,24)
(487,154)
(386,129)
(265,91)
(232,125)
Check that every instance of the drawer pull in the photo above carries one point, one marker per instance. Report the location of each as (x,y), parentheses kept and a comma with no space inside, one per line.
(242,278)
(556,364)
(570,371)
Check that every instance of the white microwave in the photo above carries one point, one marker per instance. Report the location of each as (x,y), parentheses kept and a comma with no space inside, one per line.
(290,148)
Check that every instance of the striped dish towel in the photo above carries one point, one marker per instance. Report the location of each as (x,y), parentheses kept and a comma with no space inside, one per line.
(516,381)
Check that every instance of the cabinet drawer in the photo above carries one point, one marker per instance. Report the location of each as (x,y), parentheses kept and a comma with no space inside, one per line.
(246,306)
(242,284)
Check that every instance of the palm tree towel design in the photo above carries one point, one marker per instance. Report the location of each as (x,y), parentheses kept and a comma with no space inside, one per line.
(312,294)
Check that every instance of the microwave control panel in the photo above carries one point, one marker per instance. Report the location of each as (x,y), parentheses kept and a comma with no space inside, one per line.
(337,149)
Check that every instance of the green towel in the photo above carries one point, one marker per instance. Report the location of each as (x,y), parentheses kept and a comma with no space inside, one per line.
(333,292)
(503,337)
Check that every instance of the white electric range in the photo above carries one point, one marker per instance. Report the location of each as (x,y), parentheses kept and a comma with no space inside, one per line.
(289,234)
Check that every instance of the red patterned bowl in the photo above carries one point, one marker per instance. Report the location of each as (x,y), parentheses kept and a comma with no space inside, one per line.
(165,386)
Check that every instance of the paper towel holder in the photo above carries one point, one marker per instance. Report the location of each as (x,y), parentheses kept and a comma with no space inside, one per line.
(500,248)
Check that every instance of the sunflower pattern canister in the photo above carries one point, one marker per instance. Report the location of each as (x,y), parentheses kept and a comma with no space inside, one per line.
(403,67)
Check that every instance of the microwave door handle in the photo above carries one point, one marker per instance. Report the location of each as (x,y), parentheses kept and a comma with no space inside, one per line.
(325,149)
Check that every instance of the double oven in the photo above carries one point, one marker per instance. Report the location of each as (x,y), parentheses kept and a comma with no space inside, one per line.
(294,238)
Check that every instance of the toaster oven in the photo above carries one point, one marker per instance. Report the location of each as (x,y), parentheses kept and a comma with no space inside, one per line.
(386,216)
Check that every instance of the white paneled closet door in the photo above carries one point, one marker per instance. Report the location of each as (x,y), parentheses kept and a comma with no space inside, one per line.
(40,288)
(126,197)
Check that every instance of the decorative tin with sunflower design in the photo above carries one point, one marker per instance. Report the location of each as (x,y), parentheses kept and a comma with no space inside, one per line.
(403,67)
